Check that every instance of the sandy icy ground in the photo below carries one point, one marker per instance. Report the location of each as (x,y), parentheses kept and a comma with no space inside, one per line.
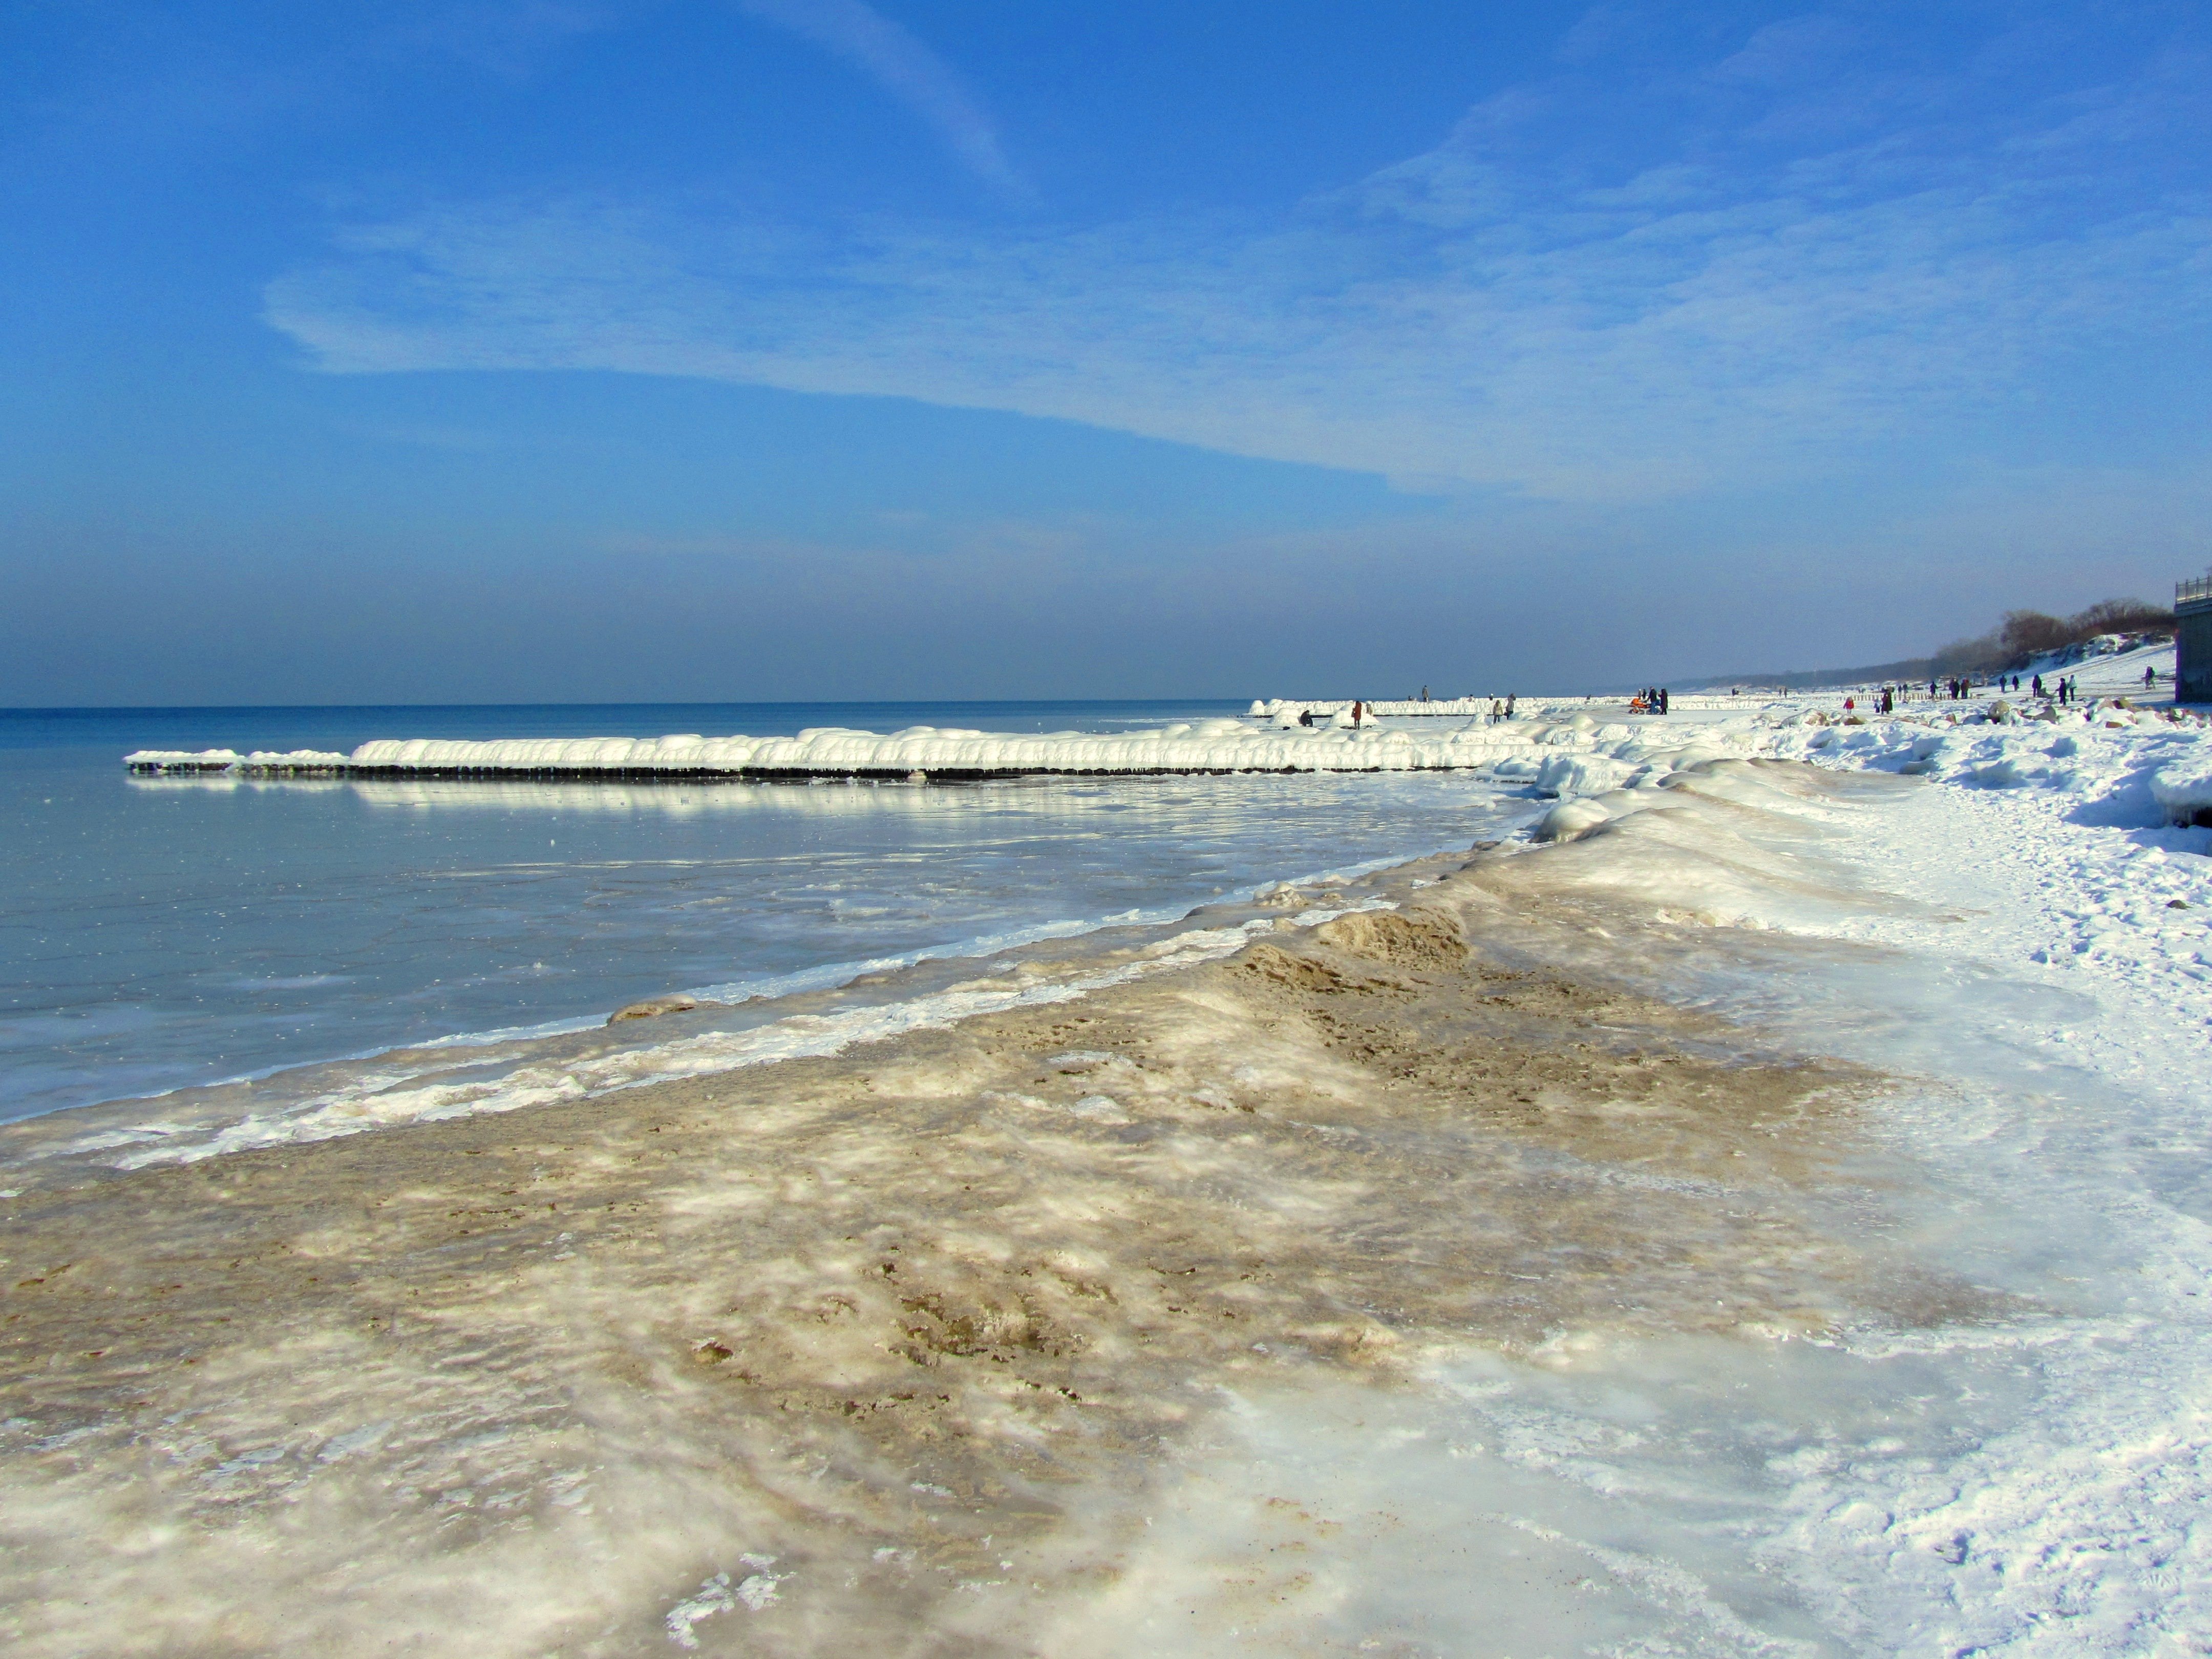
(888,1352)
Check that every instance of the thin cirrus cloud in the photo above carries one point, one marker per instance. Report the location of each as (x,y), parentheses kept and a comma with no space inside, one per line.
(1734,304)
(905,68)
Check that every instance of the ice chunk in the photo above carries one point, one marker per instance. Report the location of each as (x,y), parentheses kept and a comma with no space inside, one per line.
(1572,775)
(1568,820)
(2184,787)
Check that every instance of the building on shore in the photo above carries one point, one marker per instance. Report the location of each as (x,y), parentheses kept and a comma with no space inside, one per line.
(2192,641)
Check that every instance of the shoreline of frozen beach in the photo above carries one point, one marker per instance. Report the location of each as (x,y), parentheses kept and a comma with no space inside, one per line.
(1596,766)
(1184,1298)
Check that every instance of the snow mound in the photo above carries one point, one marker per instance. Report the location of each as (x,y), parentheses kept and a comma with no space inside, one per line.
(1569,821)
(1572,774)
(2184,788)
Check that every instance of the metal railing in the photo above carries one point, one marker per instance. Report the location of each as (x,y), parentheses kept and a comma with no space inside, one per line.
(2189,592)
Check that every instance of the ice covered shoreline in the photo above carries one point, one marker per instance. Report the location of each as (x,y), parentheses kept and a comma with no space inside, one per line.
(979,1275)
(1003,1255)
(969,1260)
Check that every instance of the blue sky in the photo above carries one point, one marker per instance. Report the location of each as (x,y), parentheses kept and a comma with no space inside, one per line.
(574,351)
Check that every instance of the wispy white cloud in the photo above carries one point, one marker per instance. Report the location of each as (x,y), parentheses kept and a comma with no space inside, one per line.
(511,38)
(905,68)
(1508,312)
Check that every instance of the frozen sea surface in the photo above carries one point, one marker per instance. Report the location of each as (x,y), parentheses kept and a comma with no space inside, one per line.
(163,934)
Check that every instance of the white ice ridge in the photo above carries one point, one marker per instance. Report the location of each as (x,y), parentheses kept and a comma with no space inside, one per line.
(1213,746)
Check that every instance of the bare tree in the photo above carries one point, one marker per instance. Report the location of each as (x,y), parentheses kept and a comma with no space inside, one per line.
(2121,616)
(2025,633)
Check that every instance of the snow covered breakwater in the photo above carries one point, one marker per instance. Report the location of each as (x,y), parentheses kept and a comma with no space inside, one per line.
(2144,767)
(1209,746)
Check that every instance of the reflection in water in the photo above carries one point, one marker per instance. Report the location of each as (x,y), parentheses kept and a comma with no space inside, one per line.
(685,799)
(692,797)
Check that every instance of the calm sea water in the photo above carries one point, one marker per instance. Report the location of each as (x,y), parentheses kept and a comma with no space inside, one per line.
(160,934)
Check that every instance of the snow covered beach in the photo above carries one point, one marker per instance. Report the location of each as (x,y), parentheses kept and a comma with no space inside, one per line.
(1765,1211)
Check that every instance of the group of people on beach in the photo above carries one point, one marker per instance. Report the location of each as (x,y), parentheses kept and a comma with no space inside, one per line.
(1884,701)
(1962,689)
(1651,700)
(1361,713)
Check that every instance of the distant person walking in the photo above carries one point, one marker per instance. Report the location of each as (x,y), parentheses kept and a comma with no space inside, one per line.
(2150,678)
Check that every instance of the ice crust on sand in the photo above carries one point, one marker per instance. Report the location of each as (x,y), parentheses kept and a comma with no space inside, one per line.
(441,1084)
